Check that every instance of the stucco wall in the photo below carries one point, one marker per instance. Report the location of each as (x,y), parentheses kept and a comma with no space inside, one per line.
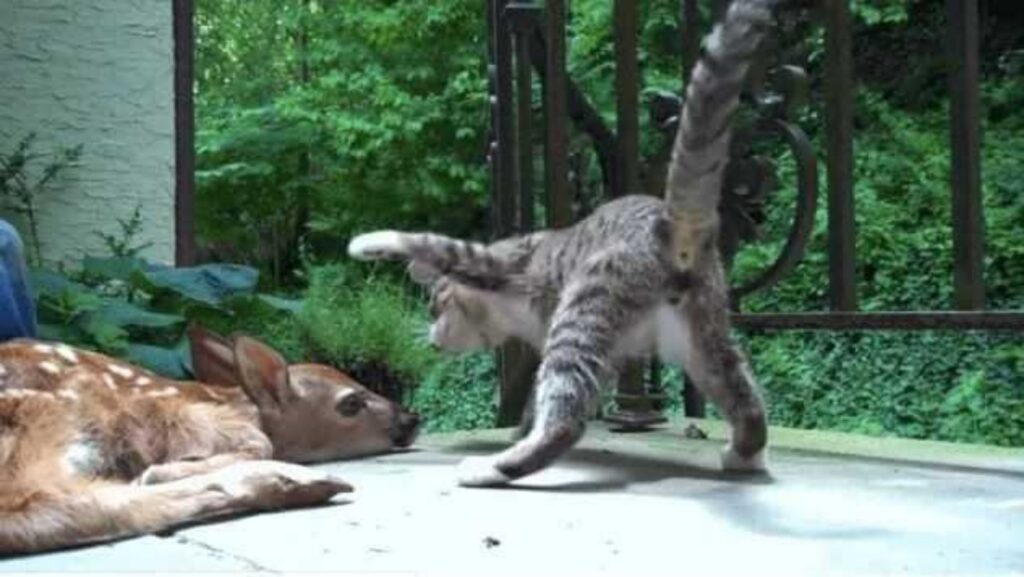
(97,73)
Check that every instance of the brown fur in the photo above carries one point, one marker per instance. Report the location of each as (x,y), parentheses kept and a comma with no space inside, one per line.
(93,449)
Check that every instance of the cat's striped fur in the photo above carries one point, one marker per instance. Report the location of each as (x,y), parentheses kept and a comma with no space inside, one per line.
(638,275)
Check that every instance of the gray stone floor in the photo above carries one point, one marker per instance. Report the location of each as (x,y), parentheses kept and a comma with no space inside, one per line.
(637,504)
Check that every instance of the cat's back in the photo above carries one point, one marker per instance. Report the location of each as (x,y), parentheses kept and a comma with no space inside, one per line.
(637,223)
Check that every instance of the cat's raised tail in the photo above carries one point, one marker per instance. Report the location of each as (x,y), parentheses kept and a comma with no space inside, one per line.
(701,149)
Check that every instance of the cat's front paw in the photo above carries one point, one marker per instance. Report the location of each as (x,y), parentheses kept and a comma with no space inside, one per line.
(379,245)
(736,463)
(481,472)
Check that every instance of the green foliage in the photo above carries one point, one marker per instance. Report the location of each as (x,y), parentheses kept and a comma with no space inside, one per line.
(129,308)
(458,393)
(123,243)
(21,184)
(352,319)
(321,119)
(875,12)
(941,385)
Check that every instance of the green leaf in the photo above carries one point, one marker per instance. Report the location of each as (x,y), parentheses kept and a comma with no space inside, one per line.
(168,362)
(123,314)
(115,267)
(52,284)
(293,306)
(108,337)
(209,284)
(57,333)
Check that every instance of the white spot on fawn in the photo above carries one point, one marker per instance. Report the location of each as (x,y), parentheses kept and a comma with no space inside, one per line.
(65,352)
(50,367)
(68,395)
(164,392)
(123,372)
(43,348)
(82,457)
(143,381)
(109,381)
(3,371)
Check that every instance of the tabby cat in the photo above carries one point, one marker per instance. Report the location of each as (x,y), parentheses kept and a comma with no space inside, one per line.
(639,275)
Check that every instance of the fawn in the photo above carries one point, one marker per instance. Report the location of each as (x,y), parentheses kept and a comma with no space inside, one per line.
(93,449)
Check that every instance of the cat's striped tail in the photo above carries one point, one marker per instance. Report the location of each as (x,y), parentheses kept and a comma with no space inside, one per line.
(432,254)
(701,148)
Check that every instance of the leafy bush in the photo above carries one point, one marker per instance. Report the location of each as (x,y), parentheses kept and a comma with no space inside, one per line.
(459,393)
(319,119)
(365,321)
(129,308)
(941,385)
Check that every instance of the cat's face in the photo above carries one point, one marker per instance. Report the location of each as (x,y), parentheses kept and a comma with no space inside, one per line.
(460,319)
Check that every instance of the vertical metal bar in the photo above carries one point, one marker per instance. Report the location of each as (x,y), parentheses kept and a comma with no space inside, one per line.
(965,141)
(689,21)
(555,117)
(511,356)
(506,123)
(718,8)
(627,85)
(184,133)
(492,108)
(518,361)
(524,119)
(839,93)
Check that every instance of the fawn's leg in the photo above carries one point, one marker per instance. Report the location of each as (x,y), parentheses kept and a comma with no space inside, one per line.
(103,512)
(237,441)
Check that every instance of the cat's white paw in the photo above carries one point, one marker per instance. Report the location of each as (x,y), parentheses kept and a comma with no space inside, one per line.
(377,245)
(480,472)
(734,462)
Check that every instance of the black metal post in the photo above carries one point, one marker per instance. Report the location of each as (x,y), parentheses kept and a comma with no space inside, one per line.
(505,128)
(184,133)
(965,144)
(839,93)
(557,130)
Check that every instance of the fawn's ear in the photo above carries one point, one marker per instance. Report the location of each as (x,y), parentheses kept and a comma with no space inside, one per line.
(213,359)
(263,373)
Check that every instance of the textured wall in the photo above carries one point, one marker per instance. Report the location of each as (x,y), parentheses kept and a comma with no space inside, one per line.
(97,73)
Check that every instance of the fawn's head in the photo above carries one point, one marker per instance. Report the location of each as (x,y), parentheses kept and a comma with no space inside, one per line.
(309,412)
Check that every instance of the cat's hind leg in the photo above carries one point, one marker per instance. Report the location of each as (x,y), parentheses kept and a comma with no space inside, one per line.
(715,364)
(592,312)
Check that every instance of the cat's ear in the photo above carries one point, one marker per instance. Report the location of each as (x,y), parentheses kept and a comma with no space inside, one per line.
(422,273)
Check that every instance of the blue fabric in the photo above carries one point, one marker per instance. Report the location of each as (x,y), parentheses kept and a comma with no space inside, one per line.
(17,310)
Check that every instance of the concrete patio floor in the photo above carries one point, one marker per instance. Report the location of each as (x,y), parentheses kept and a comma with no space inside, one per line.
(638,504)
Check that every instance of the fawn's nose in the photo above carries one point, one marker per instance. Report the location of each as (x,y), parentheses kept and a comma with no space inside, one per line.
(406,429)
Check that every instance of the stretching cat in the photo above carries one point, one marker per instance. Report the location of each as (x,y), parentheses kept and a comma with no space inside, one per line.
(638,275)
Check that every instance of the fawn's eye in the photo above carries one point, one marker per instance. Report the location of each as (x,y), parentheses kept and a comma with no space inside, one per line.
(350,405)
